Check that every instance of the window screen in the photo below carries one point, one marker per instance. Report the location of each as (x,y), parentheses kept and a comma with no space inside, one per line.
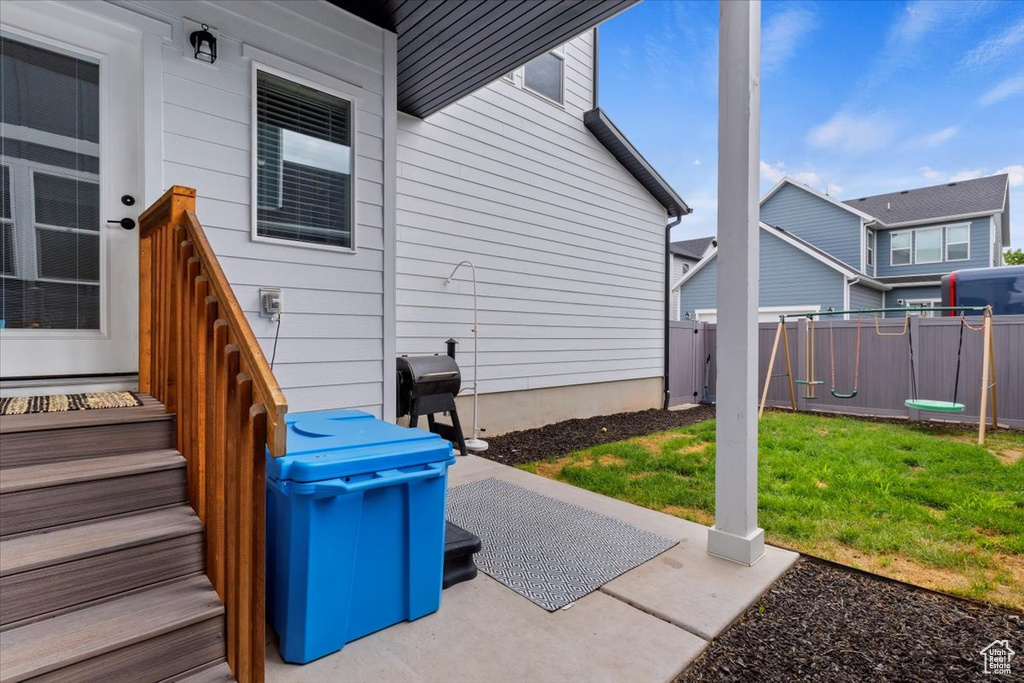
(928,245)
(901,248)
(958,243)
(303,164)
(543,75)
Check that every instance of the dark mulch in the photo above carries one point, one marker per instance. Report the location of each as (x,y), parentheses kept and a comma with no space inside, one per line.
(558,439)
(821,622)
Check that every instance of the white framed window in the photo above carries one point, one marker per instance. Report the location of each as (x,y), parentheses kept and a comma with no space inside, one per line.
(928,245)
(869,256)
(545,75)
(900,244)
(304,162)
(920,306)
(8,267)
(958,242)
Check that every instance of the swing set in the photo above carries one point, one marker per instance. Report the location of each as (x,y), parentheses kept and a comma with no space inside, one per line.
(915,402)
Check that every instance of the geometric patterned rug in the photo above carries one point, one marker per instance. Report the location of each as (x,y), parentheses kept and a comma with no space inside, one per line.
(59,403)
(547,550)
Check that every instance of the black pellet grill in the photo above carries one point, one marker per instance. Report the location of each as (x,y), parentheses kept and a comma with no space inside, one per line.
(428,385)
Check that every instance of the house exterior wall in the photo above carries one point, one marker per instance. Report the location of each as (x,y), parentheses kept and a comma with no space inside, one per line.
(997,239)
(866,297)
(679,267)
(826,226)
(568,247)
(789,277)
(197,129)
(981,242)
(893,296)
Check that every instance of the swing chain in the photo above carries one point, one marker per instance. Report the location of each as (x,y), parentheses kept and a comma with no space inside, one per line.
(832,355)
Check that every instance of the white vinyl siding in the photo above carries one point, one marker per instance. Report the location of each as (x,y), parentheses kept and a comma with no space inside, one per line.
(569,248)
(331,348)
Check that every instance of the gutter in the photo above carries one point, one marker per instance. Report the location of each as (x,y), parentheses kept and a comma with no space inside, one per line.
(668,299)
(868,282)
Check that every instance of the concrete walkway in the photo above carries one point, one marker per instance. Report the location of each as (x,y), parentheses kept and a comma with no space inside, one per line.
(646,625)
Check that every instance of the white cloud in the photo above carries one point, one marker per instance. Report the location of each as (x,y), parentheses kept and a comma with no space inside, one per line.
(854,133)
(931,174)
(782,35)
(995,48)
(937,138)
(1016,173)
(966,174)
(773,173)
(1008,88)
(696,162)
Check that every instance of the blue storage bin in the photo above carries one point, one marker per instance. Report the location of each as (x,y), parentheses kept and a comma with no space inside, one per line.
(355,529)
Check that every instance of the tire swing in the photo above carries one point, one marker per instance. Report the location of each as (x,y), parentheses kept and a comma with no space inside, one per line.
(932,405)
(832,362)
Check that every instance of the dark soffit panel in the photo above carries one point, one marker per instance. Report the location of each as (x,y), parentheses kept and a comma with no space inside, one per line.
(449,48)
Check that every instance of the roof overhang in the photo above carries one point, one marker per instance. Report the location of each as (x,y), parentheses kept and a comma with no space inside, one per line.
(941,219)
(608,134)
(447,50)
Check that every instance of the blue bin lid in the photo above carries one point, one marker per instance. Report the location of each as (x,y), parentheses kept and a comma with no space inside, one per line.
(328,444)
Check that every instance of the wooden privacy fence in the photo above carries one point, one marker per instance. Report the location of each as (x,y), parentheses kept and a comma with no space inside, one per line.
(884,382)
(198,355)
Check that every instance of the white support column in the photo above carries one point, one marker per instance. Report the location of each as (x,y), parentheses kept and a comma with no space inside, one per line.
(736,535)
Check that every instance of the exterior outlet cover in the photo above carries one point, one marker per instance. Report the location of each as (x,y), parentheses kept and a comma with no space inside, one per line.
(271,302)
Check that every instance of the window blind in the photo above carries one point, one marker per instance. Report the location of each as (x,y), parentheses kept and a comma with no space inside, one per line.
(304,164)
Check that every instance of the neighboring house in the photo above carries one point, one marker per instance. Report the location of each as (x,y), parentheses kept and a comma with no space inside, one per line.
(685,255)
(891,250)
(351,171)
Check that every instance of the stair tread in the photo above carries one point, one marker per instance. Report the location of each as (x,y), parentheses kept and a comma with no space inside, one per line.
(45,548)
(75,471)
(151,410)
(51,644)
(219,673)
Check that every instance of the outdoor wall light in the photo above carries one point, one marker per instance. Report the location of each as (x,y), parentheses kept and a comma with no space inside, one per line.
(205,45)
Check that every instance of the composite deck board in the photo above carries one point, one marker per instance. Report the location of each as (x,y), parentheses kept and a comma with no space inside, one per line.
(151,409)
(62,474)
(218,673)
(50,645)
(21,449)
(29,595)
(32,509)
(69,544)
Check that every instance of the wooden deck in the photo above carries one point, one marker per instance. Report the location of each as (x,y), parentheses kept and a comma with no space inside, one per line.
(150,410)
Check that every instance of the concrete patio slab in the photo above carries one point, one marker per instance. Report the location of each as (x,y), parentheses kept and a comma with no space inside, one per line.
(696,591)
(646,625)
(486,632)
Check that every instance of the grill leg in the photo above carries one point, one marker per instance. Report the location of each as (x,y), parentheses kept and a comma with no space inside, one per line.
(414,417)
(458,432)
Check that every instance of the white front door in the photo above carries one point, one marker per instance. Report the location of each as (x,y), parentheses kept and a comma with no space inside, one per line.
(69,153)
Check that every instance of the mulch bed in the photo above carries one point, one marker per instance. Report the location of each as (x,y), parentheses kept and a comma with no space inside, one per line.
(821,622)
(562,438)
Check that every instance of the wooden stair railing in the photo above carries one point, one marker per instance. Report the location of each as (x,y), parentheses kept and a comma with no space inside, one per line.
(198,355)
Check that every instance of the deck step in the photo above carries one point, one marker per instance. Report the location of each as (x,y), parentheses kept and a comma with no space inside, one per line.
(43,438)
(55,494)
(218,673)
(152,635)
(53,570)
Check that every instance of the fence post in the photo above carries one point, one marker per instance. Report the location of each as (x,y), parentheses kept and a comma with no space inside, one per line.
(913,414)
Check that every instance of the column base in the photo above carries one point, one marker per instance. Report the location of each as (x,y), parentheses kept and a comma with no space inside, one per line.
(745,550)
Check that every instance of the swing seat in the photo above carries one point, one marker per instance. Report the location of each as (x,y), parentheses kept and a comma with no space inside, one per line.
(936,406)
(839,394)
(807,381)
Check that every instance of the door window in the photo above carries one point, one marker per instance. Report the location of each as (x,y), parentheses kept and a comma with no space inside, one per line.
(49,212)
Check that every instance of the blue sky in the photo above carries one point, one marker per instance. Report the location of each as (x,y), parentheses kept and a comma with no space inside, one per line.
(864,97)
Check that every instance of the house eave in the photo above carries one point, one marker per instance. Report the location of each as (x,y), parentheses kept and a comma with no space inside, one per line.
(821,195)
(609,135)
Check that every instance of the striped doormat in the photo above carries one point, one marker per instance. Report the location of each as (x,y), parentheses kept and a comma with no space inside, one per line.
(60,403)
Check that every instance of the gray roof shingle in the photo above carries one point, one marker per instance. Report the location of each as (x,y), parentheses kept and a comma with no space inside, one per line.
(938,201)
(691,249)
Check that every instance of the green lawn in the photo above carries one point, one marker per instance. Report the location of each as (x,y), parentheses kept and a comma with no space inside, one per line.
(934,509)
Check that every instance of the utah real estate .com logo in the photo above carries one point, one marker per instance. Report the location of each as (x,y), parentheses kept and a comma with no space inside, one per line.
(997,657)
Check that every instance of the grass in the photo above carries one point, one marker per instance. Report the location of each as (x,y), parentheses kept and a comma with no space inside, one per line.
(931,508)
